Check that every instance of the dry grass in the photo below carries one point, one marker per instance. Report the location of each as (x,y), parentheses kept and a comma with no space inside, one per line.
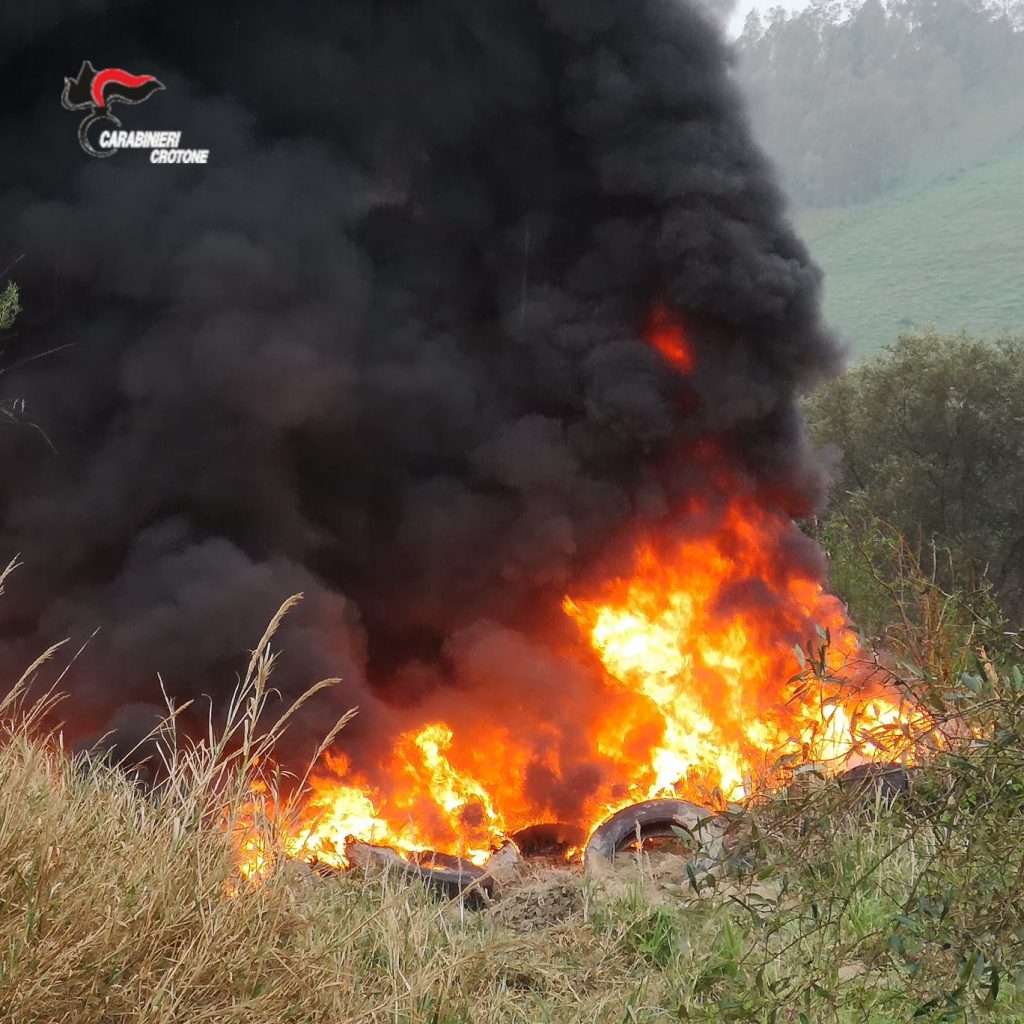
(118,905)
(122,905)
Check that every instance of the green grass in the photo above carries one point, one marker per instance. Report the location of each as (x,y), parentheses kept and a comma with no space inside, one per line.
(947,255)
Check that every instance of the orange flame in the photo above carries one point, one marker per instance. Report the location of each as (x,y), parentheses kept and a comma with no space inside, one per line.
(702,696)
(698,691)
(721,669)
(670,340)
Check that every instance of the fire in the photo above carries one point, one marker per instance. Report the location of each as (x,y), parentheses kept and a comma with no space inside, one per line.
(698,690)
(701,695)
(670,340)
(719,671)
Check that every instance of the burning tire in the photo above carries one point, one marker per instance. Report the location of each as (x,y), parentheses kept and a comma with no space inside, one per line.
(549,839)
(655,819)
(448,876)
(445,875)
(883,783)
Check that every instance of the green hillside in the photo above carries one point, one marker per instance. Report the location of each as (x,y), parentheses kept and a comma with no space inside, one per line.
(949,255)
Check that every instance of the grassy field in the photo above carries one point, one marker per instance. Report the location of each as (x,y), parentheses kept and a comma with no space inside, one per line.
(948,255)
(122,905)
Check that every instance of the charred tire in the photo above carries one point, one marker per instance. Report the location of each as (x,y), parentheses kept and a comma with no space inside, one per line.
(449,880)
(549,839)
(883,783)
(653,818)
(444,875)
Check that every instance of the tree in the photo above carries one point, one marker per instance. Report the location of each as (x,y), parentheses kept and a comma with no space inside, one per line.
(854,98)
(931,438)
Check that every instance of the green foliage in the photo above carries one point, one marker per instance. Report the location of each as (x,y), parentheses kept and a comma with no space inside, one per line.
(932,446)
(655,936)
(9,306)
(856,554)
(922,896)
(961,918)
(924,608)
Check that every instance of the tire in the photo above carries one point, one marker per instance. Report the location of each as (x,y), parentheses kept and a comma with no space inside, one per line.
(654,818)
(549,839)
(449,881)
(880,782)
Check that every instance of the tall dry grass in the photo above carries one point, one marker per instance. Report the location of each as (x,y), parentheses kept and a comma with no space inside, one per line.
(124,904)
(119,903)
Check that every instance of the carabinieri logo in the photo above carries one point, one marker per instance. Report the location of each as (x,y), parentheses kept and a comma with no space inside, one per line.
(97,91)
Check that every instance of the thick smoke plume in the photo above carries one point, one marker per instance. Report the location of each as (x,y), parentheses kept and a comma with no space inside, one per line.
(386,348)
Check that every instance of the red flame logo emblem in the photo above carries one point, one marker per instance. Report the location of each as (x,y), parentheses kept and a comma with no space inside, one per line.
(96,91)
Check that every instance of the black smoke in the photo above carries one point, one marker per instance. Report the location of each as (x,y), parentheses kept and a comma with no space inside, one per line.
(386,348)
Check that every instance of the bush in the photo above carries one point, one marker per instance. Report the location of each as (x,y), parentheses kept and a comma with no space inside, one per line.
(931,439)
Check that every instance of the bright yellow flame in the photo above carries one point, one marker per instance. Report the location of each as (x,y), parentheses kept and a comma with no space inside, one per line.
(721,671)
